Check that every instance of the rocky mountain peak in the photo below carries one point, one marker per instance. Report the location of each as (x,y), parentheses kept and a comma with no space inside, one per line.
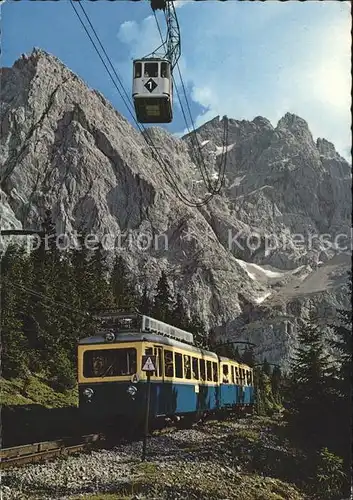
(297,126)
(64,147)
(326,148)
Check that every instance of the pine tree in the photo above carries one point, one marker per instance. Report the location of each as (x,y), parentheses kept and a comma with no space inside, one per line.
(308,391)
(145,303)
(179,317)
(266,367)
(14,345)
(198,329)
(163,300)
(340,408)
(248,357)
(125,296)
(276,378)
(236,355)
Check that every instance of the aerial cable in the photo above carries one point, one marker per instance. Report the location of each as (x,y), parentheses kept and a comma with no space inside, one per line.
(100,56)
(214,189)
(145,135)
(42,296)
(207,182)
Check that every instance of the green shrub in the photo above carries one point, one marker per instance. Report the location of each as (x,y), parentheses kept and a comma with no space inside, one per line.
(330,477)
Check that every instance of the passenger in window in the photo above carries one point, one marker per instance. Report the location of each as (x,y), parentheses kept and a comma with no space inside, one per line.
(98,366)
(168,360)
(225,375)
(187,367)
(215,374)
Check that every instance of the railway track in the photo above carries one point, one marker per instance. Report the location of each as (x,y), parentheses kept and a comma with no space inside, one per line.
(38,452)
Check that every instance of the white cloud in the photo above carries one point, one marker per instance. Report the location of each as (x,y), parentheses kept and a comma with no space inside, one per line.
(264,59)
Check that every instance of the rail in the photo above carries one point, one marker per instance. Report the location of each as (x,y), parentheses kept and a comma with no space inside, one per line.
(37,452)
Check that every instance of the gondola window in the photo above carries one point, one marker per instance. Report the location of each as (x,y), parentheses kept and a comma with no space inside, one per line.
(151,70)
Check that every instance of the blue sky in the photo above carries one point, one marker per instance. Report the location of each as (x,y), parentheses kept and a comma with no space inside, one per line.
(242,59)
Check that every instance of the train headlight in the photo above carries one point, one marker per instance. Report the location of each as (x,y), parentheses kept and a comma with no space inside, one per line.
(109,337)
(88,392)
(131,390)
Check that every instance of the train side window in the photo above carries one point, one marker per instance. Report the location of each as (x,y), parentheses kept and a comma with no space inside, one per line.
(159,361)
(215,372)
(248,381)
(209,371)
(178,365)
(168,364)
(236,375)
(187,367)
(138,70)
(242,376)
(151,70)
(225,378)
(195,369)
(233,373)
(202,370)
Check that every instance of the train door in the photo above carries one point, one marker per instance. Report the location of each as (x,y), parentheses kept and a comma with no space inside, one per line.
(227,386)
(158,352)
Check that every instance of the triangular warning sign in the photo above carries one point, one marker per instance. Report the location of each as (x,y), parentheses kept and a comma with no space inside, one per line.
(148,364)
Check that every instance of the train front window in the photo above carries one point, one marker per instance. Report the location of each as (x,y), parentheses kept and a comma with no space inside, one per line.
(109,363)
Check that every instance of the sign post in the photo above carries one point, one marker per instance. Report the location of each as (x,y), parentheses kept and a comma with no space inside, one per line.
(148,366)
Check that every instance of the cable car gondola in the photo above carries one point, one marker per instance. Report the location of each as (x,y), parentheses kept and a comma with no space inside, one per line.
(152,90)
(152,87)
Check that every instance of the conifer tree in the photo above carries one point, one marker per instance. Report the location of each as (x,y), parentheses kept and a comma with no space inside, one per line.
(145,303)
(276,378)
(308,391)
(198,329)
(163,300)
(14,345)
(340,408)
(179,317)
(125,296)
(237,356)
(266,367)
(248,356)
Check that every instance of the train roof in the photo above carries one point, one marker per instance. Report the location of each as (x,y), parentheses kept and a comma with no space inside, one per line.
(145,337)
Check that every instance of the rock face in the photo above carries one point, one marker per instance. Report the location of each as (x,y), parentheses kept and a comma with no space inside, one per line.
(65,148)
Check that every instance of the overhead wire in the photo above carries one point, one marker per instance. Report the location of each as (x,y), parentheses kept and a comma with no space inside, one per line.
(53,301)
(144,132)
(203,169)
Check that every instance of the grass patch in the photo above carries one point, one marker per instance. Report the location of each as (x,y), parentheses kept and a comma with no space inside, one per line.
(249,435)
(35,390)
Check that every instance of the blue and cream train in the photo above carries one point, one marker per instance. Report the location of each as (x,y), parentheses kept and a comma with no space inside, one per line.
(189,383)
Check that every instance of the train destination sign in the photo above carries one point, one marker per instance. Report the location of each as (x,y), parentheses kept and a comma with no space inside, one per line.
(149,363)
